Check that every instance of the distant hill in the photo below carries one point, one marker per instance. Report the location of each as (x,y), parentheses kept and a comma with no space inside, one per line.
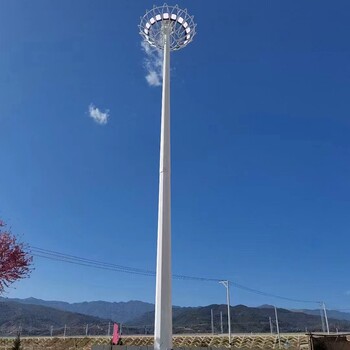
(116,311)
(37,320)
(243,320)
(330,313)
(266,306)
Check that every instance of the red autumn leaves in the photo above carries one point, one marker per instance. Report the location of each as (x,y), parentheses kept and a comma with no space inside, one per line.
(15,260)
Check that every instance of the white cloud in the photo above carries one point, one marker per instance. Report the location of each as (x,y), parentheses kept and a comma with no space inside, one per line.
(98,116)
(153,79)
(153,64)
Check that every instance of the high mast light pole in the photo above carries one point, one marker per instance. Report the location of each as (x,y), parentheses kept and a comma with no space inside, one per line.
(167,28)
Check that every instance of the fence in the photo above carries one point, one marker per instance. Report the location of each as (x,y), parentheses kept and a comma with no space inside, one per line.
(106,329)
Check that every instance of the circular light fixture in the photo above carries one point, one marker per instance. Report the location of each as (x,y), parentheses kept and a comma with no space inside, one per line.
(183,28)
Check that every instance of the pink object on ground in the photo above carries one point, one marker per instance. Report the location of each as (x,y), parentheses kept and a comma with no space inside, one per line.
(115,334)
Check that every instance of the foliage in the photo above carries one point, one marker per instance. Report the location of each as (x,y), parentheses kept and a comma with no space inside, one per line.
(15,260)
(17,343)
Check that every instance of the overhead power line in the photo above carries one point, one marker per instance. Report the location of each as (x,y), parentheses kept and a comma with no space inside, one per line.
(73,259)
(53,255)
(256,291)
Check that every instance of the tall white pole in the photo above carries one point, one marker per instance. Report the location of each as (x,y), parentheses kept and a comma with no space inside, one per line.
(163,305)
(277,328)
(226,284)
(325,316)
(228,310)
(322,318)
(221,324)
(270,320)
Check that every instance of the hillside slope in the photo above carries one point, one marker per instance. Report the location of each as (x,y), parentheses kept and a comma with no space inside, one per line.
(38,320)
(243,320)
(339,315)
(117,311)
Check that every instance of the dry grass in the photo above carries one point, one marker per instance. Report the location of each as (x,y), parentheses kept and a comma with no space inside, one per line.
(245,342)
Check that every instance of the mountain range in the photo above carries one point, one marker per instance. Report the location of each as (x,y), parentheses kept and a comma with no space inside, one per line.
(244,319)
(339,315)
(32,319)
(36,316)
(118,311)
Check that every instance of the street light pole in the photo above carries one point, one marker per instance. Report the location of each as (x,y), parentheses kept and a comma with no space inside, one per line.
(277,327)
(325,316)
(163,307)
(167,28)
(226,284)
(270,320)
(221,325)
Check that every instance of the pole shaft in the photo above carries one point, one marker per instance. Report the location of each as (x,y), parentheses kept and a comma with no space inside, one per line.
(221,324)
(322,319)
(228,310)
(277,328)
(163,305)
(325,317)
(212,321)
(270,320)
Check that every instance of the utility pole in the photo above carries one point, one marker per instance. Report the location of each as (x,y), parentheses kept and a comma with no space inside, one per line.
(109,329)
(271,329)
(64,331)
(277,328)
(51,331)
(87,330)
(325,316)
(226,284)
(212,321)
(221,325)
(322,320)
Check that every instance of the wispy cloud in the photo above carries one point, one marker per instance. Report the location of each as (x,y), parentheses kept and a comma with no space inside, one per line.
(153,64)
(347,292)
(98,116)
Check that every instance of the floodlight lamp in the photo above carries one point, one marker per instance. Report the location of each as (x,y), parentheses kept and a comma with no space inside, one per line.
(181,24)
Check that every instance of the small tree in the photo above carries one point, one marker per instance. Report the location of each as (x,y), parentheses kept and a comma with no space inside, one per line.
(15,260)
(17,343)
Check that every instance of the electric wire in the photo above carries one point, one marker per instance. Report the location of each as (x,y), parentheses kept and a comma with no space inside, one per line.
(89,262)
(73,259)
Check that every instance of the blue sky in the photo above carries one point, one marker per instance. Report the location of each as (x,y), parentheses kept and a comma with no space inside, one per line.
(260,149)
